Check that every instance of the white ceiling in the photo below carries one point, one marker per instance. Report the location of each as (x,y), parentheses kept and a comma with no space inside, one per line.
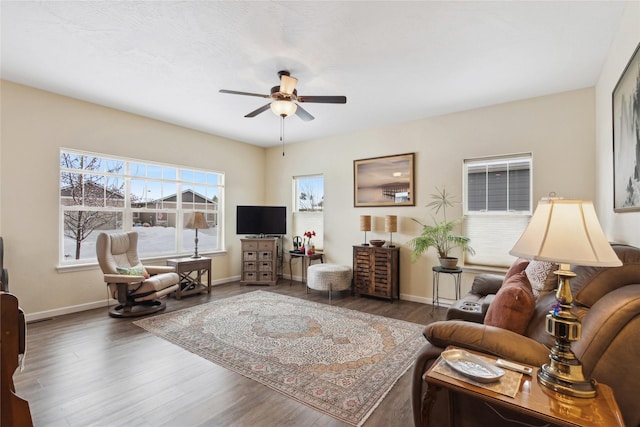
(394,61)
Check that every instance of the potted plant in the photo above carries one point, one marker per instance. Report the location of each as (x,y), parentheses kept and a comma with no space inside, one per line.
(441,234)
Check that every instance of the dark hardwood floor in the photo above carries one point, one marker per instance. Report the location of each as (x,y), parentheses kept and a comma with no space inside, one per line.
(88,369)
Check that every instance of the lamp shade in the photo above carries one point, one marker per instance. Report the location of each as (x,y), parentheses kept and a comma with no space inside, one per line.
(283,108)
(566,232)
(390,223)
(287,84)
(365,222)
(197,221)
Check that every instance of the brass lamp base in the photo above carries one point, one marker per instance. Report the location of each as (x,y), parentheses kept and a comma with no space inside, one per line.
(564,373)
(574,387)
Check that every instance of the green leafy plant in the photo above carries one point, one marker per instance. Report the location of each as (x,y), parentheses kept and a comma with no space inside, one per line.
(441,235)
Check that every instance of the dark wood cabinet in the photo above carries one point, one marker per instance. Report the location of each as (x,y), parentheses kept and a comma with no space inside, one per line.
(376,271)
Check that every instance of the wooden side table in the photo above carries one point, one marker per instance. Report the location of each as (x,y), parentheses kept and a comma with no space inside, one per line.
(191,271)
(532,403)
(305,261)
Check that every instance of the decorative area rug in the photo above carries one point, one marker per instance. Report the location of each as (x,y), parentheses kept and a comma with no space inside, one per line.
(341,362)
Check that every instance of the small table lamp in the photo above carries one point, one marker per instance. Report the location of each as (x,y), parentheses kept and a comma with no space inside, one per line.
(196,220)
(390,226)
(565,232)
(365,225)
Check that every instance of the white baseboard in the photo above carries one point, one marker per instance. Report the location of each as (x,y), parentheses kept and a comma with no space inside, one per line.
(42,315)
(443,302)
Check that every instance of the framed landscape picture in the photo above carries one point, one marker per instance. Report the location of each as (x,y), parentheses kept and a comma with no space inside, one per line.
(626,137)
(384,181)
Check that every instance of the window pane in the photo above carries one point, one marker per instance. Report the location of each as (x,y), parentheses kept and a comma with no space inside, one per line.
(81,228)
(70,161)
(309,193)
(154,238)
(154,171)
(213,179)
(93,190)
(200,177)
(169,173)
(519,190)
(477,189)
(497,187)
(207,238)
(138,169)
(114,166)
(70,189)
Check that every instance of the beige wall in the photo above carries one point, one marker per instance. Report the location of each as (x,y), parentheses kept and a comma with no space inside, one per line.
(560,130)
(557,129)
(35,124)
(621,227)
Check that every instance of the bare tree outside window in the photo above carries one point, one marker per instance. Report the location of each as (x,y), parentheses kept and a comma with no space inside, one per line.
(99,193)
(310,194)
(90,188)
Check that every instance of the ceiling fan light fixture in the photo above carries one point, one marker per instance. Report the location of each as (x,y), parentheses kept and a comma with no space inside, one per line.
(287,84)
(283,108)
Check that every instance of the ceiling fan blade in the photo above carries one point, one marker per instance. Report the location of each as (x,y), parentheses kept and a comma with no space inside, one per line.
(287,84)
(259,110)
(304,114)
(235,92)
(324,99)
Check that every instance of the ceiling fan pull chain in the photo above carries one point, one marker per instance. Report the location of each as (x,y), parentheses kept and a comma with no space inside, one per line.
(282,134)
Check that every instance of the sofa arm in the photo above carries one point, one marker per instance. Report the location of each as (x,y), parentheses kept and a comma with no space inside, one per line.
(602,324)
(425,358)
(485,284)
(487,339)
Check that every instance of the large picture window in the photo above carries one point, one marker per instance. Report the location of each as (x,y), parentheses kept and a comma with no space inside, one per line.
(497,206)
(101,193)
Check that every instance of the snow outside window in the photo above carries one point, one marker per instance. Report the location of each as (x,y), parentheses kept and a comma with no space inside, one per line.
(101,193)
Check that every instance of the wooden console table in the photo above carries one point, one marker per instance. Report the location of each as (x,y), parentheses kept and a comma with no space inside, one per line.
(532,402)
(191,271)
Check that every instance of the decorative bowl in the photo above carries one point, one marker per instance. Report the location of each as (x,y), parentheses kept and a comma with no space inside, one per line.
(377,243)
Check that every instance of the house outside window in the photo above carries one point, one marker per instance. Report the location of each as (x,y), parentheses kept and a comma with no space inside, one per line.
(101,193)
(497,206)
(308,206)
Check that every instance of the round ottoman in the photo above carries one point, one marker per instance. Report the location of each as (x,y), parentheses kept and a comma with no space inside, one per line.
(328,277)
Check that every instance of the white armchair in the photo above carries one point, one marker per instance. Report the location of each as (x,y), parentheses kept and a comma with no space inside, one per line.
(137,288)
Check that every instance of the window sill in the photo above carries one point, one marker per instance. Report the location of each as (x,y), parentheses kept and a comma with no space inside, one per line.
(479,269)
(71,268)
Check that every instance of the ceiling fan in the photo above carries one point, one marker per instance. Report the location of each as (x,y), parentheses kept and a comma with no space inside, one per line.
(285,99)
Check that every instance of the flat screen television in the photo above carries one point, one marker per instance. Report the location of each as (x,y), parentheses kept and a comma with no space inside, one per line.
(261,220)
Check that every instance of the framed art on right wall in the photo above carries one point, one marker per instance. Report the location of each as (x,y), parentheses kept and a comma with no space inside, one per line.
(626,137)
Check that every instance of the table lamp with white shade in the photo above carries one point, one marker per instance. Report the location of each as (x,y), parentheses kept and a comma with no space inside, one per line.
(565,232)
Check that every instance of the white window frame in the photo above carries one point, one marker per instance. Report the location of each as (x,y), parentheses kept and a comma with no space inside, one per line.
(494,232)
(308,220)
(128,213)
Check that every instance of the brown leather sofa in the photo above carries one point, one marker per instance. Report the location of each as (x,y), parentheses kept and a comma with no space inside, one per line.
(606,300)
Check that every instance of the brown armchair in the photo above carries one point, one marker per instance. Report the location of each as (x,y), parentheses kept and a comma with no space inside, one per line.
(606,300)
(137,288)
